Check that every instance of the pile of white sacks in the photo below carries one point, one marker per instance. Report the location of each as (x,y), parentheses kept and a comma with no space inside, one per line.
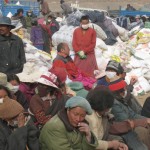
(133,55)
(37,62)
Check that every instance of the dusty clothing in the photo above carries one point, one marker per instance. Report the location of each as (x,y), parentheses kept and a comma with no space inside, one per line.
(18,139)
(85,42)
(43,110)
(59,134)
(44,8)
(12,54)
(22,20)
(73,72)
(27,90)
(66,8)
(102,128)
(53,26)
(21,99)
(36,36)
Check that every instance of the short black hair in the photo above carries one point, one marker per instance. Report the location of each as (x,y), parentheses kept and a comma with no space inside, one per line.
(100,98)
(34,22)
(86,17)
(20,10)
(60,46)
(11,77)
(6,90)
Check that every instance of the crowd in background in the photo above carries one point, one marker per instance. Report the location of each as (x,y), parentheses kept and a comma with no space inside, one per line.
(96,110)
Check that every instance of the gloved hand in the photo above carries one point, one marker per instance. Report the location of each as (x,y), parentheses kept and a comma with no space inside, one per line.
(81,54)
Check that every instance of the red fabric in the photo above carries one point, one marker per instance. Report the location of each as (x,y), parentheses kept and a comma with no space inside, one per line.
(70,67)
(60,72)
(118,85)
(85,42)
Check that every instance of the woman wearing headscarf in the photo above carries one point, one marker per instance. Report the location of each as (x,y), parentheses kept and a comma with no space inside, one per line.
(68,129)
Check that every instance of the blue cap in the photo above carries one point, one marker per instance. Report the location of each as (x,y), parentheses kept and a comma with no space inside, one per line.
(78,101)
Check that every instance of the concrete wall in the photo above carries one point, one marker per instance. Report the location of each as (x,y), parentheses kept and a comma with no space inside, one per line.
(99,4)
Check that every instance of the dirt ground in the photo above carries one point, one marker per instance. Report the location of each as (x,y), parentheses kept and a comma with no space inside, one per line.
(99,4)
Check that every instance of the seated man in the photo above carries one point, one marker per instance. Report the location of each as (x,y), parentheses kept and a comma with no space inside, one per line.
(68,130)
(122,112)
(63,60)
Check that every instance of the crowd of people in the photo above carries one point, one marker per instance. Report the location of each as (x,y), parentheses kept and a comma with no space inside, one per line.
(95,111)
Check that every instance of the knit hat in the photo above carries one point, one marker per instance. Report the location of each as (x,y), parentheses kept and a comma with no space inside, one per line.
(78,88)
(9,108)
(48,79)
(3,81)
(78,101)
(60,73)
(116,66)
(117,85)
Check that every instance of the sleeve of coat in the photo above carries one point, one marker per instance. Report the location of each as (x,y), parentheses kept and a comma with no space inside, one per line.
(91,47)
(75,45)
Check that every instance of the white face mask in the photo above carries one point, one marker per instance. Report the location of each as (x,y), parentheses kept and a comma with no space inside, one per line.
(125,94)
(15,89)
(49,20)
(85,26)
(110,74)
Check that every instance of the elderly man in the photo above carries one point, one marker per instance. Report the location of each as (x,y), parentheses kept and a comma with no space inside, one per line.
(68,129)
(63,60)
(12,55)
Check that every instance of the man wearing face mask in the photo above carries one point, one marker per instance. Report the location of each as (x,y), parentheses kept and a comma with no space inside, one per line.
(16,133)
(114,71)
(29,17)
(16,93)
(52,24)
(84,41)
(122,111)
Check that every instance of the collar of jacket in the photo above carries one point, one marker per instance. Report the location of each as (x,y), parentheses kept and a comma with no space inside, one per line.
(64,59)
(12,37)
(64,118)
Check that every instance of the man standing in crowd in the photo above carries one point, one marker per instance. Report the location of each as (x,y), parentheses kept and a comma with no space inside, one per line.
(19,15)
(12,55)
(44,7)
(66,8)
(84,40)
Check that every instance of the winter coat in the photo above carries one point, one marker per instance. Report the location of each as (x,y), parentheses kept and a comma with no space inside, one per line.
(122,111)
(53,26)
(26,136)
(36,35)
(12,54)
(58,134)
(20,97)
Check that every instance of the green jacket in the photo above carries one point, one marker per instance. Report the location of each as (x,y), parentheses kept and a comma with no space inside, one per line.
(55,135)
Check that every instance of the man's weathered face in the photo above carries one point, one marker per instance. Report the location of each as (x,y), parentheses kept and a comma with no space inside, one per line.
(5,30)
(66,50)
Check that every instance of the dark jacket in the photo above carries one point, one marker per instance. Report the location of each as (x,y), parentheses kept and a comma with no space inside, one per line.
(37,35)
(53,26)
(22,99)
(12,54)
(18,139)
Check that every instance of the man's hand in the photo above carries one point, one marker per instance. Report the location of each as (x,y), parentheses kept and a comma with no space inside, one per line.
(133,80)
(83,127)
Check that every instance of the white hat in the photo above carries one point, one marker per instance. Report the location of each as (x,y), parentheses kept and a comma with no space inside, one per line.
(49,79)
(145,16)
